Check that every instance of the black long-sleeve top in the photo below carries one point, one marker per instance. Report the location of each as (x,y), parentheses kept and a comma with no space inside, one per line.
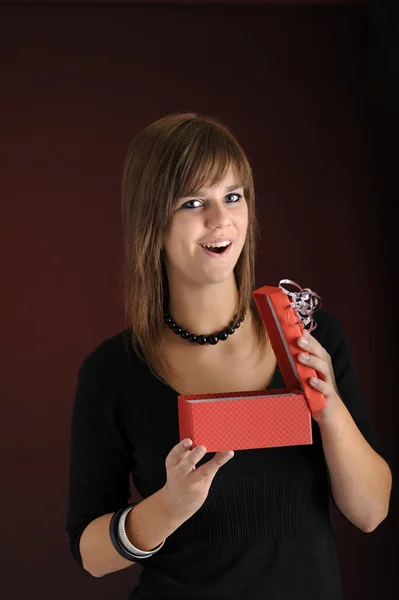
(264,530)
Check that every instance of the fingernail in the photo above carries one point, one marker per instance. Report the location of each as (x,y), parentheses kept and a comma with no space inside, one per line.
(314,381)
(303,341)
(187,443)
(200,450)
(226,455)
(303,356)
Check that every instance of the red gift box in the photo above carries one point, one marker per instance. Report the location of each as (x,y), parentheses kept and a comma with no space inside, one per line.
(261,418)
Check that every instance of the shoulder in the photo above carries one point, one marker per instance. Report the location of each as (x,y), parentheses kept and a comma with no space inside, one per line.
(326,322)
(104,379)
(330,333)
(110,358)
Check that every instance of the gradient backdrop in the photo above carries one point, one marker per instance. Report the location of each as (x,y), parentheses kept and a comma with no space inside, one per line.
(303,88)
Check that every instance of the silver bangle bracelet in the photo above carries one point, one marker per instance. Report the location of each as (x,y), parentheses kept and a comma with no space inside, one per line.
(124,540)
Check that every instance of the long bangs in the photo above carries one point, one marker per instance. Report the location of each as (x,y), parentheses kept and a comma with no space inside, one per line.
(205,159)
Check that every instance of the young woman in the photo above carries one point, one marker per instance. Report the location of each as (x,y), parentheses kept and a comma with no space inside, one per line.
(250,524)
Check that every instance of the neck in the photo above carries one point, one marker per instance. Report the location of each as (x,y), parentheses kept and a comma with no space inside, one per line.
(204,310)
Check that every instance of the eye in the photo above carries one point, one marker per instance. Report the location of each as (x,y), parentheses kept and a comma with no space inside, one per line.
(233,198)
(189,204)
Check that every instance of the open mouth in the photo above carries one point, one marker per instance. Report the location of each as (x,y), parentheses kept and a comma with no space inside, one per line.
(220,248)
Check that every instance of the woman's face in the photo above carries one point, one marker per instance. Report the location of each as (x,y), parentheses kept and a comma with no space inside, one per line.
(214,216)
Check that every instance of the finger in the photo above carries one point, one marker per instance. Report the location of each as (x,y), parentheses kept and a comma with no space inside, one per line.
(178,452)
(323,387)
(318,364)
(187,464)
(310,344)
(210,468)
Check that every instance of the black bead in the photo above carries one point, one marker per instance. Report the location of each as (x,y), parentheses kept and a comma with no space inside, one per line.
(202,339)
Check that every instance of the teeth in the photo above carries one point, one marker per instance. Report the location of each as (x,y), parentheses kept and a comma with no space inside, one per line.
(217,245)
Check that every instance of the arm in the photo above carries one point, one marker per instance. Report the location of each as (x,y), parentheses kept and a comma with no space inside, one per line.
(96,550)
(99,471)
(360,477)
(147,525)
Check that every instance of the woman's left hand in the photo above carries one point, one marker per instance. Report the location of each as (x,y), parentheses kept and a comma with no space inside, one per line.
(317,357)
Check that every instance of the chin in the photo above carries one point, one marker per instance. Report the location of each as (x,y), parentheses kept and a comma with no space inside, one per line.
(220,277)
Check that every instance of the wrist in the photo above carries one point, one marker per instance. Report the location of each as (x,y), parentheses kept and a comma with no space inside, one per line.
(170,507)
(332,415)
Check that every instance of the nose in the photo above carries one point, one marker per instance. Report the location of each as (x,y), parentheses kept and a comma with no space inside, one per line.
(218,217)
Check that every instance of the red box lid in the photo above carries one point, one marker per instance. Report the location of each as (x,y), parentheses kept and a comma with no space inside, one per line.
(284,326)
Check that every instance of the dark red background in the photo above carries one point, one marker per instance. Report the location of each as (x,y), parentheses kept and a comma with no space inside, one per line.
(77,83)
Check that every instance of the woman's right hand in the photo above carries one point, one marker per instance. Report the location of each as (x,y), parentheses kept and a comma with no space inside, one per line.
(187,487)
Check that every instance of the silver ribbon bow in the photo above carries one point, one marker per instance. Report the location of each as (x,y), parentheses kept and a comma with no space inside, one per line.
(304,302)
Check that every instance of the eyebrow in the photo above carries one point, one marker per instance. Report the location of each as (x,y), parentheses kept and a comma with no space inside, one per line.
(229,188)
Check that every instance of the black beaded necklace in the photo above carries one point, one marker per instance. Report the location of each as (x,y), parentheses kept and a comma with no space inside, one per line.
(213,338)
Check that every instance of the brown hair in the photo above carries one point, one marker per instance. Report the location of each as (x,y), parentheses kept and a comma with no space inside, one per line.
(169,159)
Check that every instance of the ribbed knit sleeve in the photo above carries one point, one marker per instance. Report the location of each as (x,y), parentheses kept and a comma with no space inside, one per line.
(99,454)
